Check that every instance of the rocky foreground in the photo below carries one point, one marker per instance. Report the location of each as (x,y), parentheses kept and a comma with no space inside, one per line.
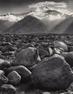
(36,64)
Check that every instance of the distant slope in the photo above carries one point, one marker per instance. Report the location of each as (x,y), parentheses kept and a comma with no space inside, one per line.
(69,29)
(63,26)
(7,21)
(52,18)
(27,25)
(38,23)
(4,25)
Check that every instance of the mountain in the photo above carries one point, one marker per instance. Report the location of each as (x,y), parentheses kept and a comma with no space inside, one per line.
(42,22)
(4,25)
(69,29)
(45,17)
(52,14)
(63,26)
(7,21)
(27,25)
(52,18)
(48,18)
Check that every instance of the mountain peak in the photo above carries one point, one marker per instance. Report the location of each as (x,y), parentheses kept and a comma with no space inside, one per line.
(27,25)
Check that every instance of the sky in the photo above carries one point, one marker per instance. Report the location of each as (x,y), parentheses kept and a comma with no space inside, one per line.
(26,1)
(20,6)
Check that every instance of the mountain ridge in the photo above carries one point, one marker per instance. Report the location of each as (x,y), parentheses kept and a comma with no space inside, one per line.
(28,24)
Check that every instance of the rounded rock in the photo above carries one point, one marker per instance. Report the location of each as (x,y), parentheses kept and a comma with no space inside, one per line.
(22,70)
(14,78)
(43,52)
(4,64)
(1,61)
(52,74)
(8,89)
(68,57)
(26,57)
(3,78)
(60,45)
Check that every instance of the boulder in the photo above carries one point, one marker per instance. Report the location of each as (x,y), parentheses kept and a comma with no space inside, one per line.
(26,57)
(61,44)
(4,64)
(5,43)
(8,89)
(1,56)
(52,74)
(45,44)
(60,47)
(43,52)
(22,70)
(68,57)
(1,61)
(3,78)
(70,48)
(14,78)
(50,50)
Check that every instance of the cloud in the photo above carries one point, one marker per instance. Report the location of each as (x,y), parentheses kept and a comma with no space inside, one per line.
(49,10)
(11,18)
(56,10)
(26,1)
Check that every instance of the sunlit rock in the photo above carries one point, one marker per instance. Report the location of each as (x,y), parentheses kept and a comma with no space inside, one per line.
(60,45)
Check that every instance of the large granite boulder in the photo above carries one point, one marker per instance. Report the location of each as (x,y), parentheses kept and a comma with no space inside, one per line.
(26,57)
(52,74)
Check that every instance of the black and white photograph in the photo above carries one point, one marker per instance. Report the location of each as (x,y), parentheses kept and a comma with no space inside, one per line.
(36,46)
